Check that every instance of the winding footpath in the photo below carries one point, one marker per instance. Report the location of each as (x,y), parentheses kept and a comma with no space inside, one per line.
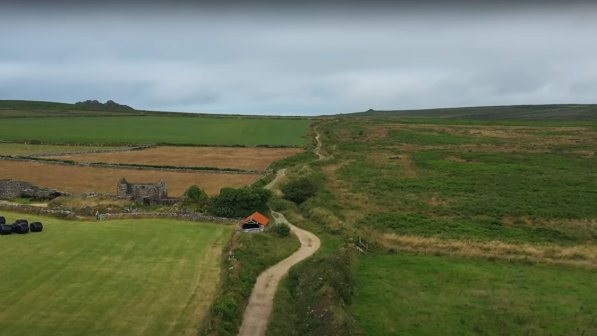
(260,304)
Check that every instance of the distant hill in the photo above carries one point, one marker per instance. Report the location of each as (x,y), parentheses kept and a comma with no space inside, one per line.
(568,112)
(26,108)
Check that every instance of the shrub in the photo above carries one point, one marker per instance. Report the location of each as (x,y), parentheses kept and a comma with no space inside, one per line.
(282,230)
(195,196)
(239,202)
(300,190)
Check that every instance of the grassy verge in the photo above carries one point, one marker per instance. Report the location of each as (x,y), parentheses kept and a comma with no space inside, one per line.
(252,254)
(429,295)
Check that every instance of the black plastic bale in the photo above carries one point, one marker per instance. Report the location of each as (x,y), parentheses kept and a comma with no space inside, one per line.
(21,228)
(36,227)
(22,221)
(2,220)
(5,229)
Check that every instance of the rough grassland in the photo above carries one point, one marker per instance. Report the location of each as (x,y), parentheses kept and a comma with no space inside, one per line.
(221,157)
(210,131)
(25,149)
(129,277)
(87,179)
(428,295)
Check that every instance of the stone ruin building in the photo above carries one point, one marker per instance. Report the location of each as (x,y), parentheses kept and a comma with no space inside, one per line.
(10,189)
(148,193)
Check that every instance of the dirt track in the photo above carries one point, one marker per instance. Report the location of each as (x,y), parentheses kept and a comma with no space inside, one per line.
(261,301)
(260,304)
(318,148)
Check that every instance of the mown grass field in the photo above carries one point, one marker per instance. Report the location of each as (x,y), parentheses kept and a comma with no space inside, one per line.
(78,179)
(428,295)
(151,129)
(126,277)
(221,157)
(27,149)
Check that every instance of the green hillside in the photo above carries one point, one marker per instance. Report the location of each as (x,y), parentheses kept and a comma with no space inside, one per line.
(569,112)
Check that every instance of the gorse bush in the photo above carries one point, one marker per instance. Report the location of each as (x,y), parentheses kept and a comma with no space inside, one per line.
(300,190)
(282,230)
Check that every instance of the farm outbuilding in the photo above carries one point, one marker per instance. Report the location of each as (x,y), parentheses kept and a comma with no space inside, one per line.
(255,222)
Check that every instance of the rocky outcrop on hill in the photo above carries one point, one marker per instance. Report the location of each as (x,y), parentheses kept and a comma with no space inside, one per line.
(110,104)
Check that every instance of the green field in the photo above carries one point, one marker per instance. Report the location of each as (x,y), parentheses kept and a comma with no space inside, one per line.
(149,129)
(126,277)
(26,149)
(428,295)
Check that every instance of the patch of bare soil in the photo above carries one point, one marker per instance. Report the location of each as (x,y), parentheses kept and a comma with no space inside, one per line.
(403,161)
(220,157)
(87,179)
(460,160)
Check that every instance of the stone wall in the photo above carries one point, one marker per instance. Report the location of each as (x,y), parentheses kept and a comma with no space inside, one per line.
(10,189)
(127,149)
(189,216)
(36,210)
(124,166)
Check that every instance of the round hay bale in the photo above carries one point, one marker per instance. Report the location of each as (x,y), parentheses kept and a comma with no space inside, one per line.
(2,220)
(23,221)
(21,228)
(36,227)
(5,229)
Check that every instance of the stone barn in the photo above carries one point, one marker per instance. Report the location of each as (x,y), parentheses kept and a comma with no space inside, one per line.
(255,222)
(148,193)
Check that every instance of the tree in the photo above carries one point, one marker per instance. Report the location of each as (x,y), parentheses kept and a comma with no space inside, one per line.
(239,202)
(300,190)
(195,196)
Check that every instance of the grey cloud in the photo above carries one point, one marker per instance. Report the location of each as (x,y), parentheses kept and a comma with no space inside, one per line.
(296,62)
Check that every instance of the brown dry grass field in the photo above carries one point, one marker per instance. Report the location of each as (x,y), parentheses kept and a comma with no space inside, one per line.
(221,157)
(87,179)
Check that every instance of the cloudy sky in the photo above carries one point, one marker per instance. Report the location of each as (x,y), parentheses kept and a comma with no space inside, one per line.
(300,59)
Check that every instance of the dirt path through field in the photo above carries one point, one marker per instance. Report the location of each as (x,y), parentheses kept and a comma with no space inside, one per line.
(318,148)
(260,304)
(279,175)
(261,301)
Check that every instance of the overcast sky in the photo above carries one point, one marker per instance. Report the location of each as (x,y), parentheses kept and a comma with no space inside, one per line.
(300,60)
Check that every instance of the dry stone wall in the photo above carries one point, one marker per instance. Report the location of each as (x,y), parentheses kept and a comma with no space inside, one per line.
(124,166)
(36,210)
(128,149)
(189,216)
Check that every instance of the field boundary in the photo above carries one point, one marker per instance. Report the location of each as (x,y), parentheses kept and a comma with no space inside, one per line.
(136,166)
(144,145)
(127,149)
(67,214)
(188,216)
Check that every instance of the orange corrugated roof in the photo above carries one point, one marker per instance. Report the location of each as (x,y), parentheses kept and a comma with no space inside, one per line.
(259,218)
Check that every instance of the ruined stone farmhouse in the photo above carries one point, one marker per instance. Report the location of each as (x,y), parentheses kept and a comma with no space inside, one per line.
(148,193)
